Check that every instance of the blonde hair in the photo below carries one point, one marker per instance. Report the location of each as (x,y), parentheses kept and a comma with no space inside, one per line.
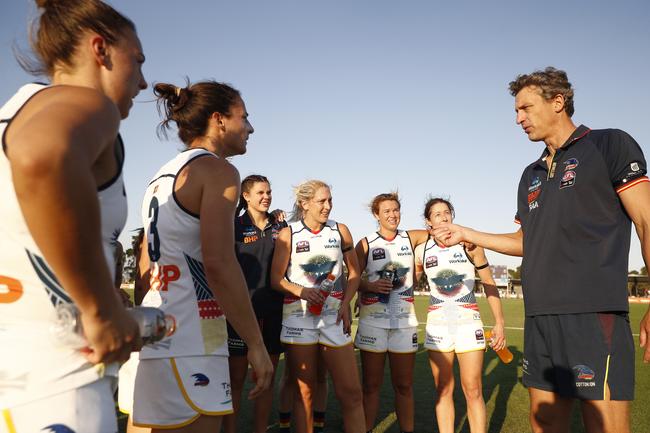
(305,192)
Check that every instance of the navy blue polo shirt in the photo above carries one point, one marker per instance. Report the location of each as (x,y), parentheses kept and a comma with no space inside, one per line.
(254,250)
(576,233)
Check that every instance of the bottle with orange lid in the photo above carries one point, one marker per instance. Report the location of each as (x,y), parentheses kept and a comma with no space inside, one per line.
(505,355)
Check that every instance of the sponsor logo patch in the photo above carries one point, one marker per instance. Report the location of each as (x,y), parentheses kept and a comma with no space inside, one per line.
(431,261)
(479,335)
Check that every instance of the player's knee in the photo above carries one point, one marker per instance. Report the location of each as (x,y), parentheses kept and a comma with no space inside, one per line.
(472,391)
(403,388)
(445,388)
(349,395)
(372,386)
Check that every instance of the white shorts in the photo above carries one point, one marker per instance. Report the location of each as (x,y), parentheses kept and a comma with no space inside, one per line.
(126,383)
(380,340)
(174,392)
(88,409)
(459,338)
(328,335)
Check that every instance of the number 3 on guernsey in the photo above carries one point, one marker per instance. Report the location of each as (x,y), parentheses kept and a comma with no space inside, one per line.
(10,290)
(154,241)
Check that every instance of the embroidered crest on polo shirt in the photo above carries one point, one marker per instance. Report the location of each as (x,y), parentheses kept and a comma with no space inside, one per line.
(570,164)
(568,179)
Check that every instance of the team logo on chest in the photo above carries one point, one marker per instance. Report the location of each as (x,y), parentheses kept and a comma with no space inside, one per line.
(569,176)
(317,268)
(431,262)
(448,282)
(378,254)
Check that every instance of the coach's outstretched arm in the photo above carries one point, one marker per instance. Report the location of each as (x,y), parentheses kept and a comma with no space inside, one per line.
(637,205)
(506,243)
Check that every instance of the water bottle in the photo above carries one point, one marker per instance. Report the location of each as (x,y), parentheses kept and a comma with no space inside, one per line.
(325,288)
(388,275)
(153,323)
(505,355)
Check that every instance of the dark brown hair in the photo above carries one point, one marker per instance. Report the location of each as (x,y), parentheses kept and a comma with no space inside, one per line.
(550,81)
(190,107)
(435,200)
(246,186)
(55,35)
(388,196)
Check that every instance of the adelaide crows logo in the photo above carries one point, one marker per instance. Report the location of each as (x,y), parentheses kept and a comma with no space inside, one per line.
(58,428)
(399,273)
(448,282)
(200,379)
(317,268)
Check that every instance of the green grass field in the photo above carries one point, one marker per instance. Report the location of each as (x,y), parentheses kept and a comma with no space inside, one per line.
(506,398)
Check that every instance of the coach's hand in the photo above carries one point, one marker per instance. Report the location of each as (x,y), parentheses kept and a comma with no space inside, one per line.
(112,334)
(262,367)
(644,336)
(448,234)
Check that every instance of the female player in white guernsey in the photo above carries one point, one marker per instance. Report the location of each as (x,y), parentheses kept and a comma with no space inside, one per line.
(454,327)
(306,252)
(63,206)
(387,314)
(188,212)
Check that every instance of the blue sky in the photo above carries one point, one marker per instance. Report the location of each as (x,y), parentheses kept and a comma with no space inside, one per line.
(373,96)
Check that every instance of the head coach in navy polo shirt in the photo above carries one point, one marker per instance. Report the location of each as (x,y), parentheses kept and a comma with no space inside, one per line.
(575,206)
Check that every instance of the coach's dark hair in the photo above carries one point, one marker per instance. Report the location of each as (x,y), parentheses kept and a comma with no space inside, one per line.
(190,107)
(435,200)
(246,186)
(56,33)
(380,198)
(550,81)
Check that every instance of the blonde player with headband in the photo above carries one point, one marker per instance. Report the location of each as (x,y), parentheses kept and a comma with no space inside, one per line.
(63,207)
(188,212)
(306,252)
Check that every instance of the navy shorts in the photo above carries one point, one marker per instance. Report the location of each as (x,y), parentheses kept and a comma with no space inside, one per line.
(270,325)
(578,355)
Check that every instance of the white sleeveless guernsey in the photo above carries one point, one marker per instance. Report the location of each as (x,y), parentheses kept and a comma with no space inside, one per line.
(395,255)
(450,275)
(178,284)
(314,255)
(33,364)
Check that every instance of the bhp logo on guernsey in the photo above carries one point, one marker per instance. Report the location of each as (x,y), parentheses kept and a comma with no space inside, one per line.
(162,275)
